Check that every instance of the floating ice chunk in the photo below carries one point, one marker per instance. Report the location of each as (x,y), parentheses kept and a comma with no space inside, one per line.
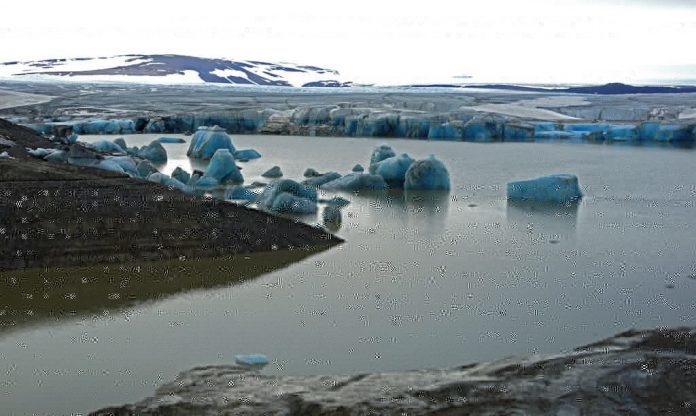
(251,359)
(273,172)
(223,168)
(355,182)
(121,142)
(72,139)
(292,202)
(126,163)
(393,169)
(317,181)
(336,201)
(207,141)
(286,202)
(153,152)
(358,168)
(241,193)
(40,152)
(110,165)
(105,146)
(379,154)
(247,154)
(562,188)
(163,179)
(311,173)
(331,217)
(145,169)
(5,155)
(427,174)
(181,175)
(59,156)
(171,140)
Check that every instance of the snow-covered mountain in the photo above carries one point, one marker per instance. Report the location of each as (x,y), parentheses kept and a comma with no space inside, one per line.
(174,69)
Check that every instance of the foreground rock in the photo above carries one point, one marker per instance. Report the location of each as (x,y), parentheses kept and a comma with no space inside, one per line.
(639,373)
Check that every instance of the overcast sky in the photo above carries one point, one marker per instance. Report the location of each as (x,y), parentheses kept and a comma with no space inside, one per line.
(377,41)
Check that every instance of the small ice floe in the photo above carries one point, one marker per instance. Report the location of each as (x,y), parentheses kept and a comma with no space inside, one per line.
(311,172)
(561,188)
(356,182)
(153,152)
(358,168)
(241,193)
(171,140)
(318,181)
(273,172)
(288,196)
(5,155)
(251,359)
(246,154)
(427,175)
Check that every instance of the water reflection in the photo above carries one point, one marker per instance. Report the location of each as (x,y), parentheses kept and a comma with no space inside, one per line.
(40,296)
(543,222)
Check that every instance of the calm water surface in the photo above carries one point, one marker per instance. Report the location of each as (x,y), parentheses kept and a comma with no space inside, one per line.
(424,281)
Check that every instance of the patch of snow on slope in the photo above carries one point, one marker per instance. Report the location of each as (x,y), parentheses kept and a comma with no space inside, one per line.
(70,65)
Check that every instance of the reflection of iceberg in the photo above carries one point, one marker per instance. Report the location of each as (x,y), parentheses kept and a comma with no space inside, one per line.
(425,210)
(35,296)
(547,222)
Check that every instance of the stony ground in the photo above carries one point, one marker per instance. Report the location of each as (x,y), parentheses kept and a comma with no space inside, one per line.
(62,215)
(634,373)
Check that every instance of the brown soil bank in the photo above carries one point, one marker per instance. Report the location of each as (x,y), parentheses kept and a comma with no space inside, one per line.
(634,373)
(63,215)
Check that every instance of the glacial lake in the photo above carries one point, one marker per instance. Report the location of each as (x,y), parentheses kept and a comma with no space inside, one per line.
(422,281)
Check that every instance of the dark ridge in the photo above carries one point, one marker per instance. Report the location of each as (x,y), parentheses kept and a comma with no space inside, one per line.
(615,88)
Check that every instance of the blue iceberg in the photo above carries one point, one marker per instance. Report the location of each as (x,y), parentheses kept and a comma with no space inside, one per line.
(163,179)
(223,168)
(126,163)
(393,169)
(58,156)
(427,175)
(561,188)
(247,154)
(251,359)
(317,181)
(153,152)
(379,154)
(273,172)
(181,175)
(288,196)
(356,182)
(207,141)
(110,165)
(358,168)
(145,169)
(105,146)
(171,140)
(241,193)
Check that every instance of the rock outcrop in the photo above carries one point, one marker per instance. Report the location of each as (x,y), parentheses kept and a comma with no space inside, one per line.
(637,372)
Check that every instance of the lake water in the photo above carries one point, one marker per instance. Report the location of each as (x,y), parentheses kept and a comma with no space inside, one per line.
(426,281)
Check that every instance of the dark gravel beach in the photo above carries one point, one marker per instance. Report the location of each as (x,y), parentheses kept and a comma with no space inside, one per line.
(63,215)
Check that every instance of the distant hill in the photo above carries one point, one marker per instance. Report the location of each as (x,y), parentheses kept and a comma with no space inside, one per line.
(607,89)
(174,69)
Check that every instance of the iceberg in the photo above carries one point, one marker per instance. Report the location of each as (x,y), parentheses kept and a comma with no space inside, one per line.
(241,193)
(336,201)
(246,154)
(273,172)
(331,217)
(356,182)
(121,142)
(171,140)
(110,165)
(317,181)
(358,168)
(181,175)
(379,154)
(105,146)
(58,156)
(288,196)
(153,152)
(223,168)
(426,175)
(251,359)
(40,152)
(5,155)
(163,179)
(311,173)
(207,141)
(561,188)
(145,169)
(393,169)
(126,163)
(72,139)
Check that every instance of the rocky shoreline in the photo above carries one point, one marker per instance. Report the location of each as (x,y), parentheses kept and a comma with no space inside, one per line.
(54,214)
(650,372)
